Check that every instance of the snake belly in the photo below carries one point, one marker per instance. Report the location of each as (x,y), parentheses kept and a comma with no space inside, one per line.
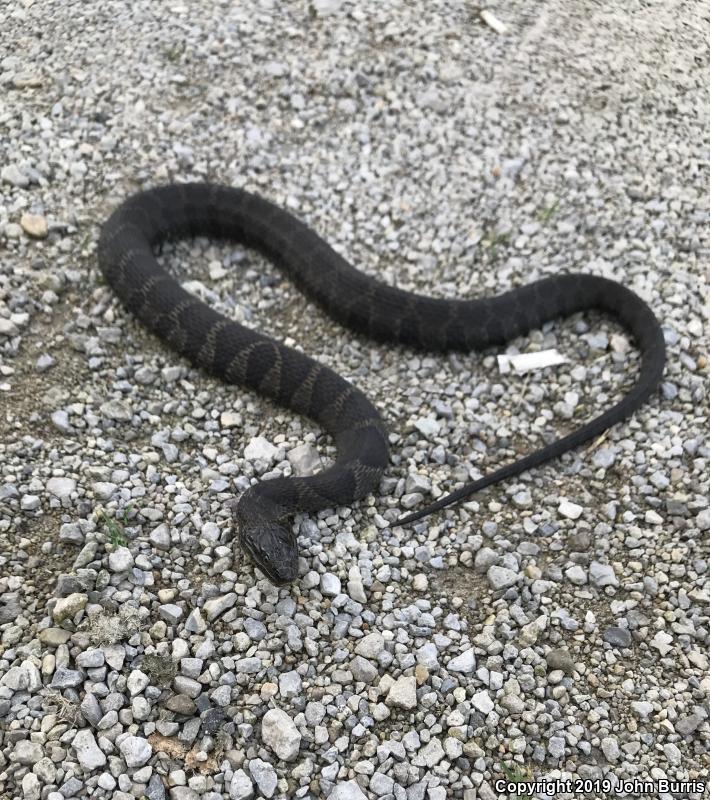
(126,253)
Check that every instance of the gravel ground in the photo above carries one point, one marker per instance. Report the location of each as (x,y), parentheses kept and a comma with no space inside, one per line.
(557,624)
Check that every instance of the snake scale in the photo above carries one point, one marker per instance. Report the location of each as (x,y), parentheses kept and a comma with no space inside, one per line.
(245,357)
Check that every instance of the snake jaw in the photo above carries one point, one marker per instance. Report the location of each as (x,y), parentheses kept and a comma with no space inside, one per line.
(274,549)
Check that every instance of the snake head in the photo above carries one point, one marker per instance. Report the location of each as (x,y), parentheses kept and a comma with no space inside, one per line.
(273,549)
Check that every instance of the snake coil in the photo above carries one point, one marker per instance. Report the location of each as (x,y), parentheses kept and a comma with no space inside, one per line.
(245,357)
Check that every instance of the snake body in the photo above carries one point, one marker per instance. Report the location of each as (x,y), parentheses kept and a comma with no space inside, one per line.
(134,231)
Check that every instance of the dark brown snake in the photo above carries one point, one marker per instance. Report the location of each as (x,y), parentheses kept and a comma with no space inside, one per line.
(238,355)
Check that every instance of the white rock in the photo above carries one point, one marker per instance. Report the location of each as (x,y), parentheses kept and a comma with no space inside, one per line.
(382,784)
(280,733)
(241,787)
(428,656)
(104,490)
(663,642)
(171,613)
(642,708)
(115,655)
(530,632)
(264,776)
(522,499)
(569,509)
(7,327)
(371,645)
(210,531)
(277,69)
(67,607)
(26,752)
(304,459)
(136,751)
(34,682)
(453,749)
(260,449)
(610,748)
(12,230)
(30,787)
(428,426)
(602,574)
(61,487)
(482,702)
(230,419)
(430,755)
(464,662)
(403,693)
(13,175)
(137,681)
(117,410)
(699,660)
(330,584)
(16,679)
(350,790)
(160,537)
(604,457)
(673,754)
(60,418)
(492,21)
(90,659)
(356,590)
(106,781)
(576,575)
(120,560)
(290,684)
(363,670)
(217,271)
(420,582)
(218,605)
(194,622)
(29,502)
(501,577)
(87,751)
(325,8)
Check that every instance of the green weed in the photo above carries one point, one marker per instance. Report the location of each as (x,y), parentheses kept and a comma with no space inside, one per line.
(517,774)
(493,241)
(546,213)
(174,52)
(114,528)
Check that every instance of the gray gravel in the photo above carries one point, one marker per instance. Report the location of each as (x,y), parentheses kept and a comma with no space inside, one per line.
(559,622)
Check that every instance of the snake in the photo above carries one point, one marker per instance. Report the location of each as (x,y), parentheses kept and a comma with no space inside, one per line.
(130,241)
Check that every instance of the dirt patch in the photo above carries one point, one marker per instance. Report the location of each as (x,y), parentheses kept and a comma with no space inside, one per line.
(161,669)
(105,629)
(23,546)
(175,749)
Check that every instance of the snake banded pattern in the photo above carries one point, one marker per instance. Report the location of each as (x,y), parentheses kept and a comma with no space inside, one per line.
(237,355)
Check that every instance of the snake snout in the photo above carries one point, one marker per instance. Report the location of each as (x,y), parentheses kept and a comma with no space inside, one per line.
(274,549)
